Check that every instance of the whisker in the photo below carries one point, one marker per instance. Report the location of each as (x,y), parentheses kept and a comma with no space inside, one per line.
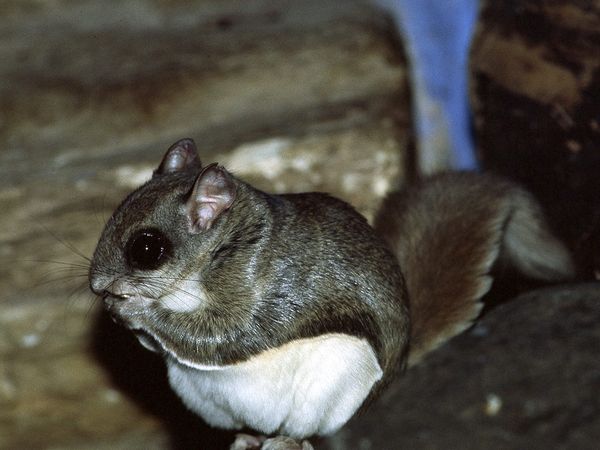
(162,277)
(101,219)
(49,281)
(51,261)
(68,245)
(154,286)
(92,305)
(75,293)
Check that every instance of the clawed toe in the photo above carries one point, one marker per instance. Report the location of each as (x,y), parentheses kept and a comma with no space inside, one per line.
(248,442)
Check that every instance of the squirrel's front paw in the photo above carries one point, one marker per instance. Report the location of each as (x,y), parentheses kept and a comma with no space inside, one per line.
(285,443)
(247,442)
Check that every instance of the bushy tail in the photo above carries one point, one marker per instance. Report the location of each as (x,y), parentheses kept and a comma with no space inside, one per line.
(448,232)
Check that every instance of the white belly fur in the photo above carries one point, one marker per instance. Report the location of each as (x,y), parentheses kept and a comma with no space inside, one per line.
(306,387)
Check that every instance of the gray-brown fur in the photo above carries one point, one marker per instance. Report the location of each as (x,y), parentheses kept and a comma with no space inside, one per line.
(276,268)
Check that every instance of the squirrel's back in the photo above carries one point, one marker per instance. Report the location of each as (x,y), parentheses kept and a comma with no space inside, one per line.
(448,232)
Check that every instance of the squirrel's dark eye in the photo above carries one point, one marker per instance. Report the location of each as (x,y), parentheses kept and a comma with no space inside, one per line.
(148,249)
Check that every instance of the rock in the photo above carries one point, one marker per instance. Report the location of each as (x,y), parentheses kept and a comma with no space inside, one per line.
(142,74)
(53,392)
(536,90)
(526,376)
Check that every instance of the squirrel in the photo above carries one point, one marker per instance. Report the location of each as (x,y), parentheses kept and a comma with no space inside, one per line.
(287,314)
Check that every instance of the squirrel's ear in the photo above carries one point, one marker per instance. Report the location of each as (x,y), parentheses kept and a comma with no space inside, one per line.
(212,194)
(180,156)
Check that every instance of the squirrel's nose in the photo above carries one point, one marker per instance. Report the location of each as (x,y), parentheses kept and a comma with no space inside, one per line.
(97,288)
(113,290)
(106,293)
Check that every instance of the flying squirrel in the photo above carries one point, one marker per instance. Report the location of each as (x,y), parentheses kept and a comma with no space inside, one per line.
(287,314)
